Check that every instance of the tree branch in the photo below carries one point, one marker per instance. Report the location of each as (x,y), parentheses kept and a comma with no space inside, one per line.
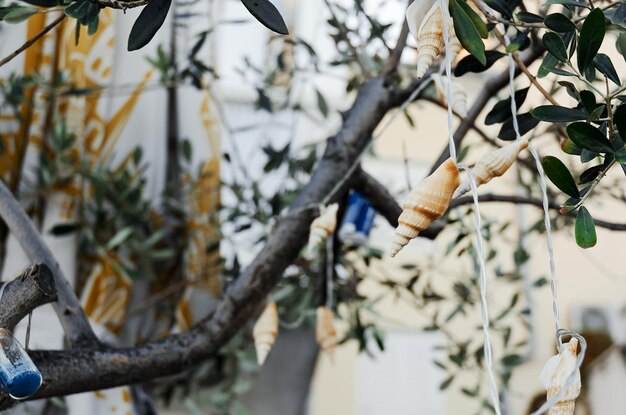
(33,288)
(33,40)
(67,307)
(523,200)
(491,87)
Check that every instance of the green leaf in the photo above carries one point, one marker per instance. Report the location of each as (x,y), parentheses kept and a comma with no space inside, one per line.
(554,113)
(528,17)
(502,110)
(526,123)
(321,104)
(466,31)
(560,176)
(559,23)
(265,12)
(591,37)
(549,61)
(18,14)
(620,44)
(119,238)
(577,3)
(148,23)
(62,229)
(512,360)
(446,383)
(589,137)
(585,229)
(480,26)
(554,44)
(471,64)
(84,11)
(619,119)
(604,65)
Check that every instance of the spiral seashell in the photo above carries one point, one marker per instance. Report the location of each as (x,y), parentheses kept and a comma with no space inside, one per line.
(265,332)
(493,164)
(555,375)
(324,225)
(459,95)
(425,204)
(425,21)
(325,332)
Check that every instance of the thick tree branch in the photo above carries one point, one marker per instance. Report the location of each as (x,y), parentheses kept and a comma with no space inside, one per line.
(33,288)
(72,371)
(67,307)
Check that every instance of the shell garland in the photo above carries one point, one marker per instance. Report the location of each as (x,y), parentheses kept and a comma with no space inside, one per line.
(425,204)
(324,225)
(426,24)
(493,164)
(265,332)
(325,332)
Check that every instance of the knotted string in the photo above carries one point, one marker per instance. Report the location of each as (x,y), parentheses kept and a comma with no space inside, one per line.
(560,332)
(493,387)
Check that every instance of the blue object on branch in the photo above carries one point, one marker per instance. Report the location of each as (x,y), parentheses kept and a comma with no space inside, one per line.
(358,220)
(18,374)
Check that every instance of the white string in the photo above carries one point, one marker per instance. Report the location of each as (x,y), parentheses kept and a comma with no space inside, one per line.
(488,356)
(544,190)
(560,332)
(493,387)
(329,270)
(448,63)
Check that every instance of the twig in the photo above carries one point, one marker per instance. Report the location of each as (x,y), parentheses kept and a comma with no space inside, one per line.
(32,40)
(121,5)
(523,200)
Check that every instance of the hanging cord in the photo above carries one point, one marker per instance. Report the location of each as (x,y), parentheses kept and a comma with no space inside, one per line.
(560,332)
(330,268)
(544,190)
(488,356)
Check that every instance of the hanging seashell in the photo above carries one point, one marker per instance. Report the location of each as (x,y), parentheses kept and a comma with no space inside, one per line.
(555,376)
(325,332)
(459,95)
(324,225)
(265,332)
(493,164)
(425,22)
(426,203)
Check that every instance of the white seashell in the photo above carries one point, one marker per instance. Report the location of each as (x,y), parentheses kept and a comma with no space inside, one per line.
(425,204)
(459,95)
(265,331)
(493,164)
(561,372)
(324,225)
(325,332)
(425,22)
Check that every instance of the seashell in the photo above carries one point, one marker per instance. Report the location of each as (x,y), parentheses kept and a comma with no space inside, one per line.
(493,164)
(425,22)
(555,374)
(425,204)
(324,225)
(325,332)
(459,95)
(265,332)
